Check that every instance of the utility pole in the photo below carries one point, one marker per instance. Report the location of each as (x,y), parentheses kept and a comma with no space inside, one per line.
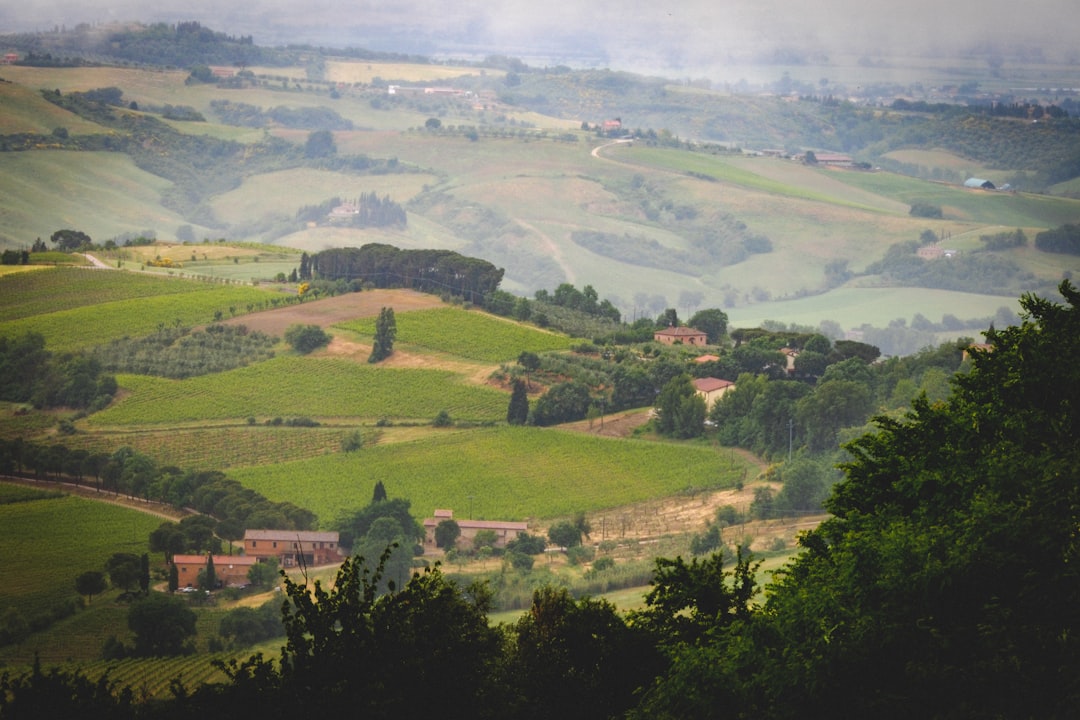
(790,436)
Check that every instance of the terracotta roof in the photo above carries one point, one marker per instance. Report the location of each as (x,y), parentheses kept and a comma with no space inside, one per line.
(711,384)
(680,331)
(706,358)
(218,559)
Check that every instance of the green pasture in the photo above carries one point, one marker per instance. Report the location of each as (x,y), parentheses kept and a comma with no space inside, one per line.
(718,168)
(947,161)
(26,111)
(503,473)
(291,386)
(50,290)
(276,197)
(102,194)
(973,206)
(854,306)
(471,335)
(48,542)
(90,325)
(220,446)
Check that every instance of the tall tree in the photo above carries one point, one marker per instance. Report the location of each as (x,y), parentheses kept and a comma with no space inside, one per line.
(711,321)
(385,332)
(163,625)
(90,583)
(680,411)
(518,411)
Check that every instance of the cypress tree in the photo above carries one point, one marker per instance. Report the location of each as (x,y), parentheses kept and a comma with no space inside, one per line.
(518,412)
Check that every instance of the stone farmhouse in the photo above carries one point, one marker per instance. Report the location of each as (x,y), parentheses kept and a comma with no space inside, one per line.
(712,389)
(293,548)
(683,335)
(504,530)
(230,570)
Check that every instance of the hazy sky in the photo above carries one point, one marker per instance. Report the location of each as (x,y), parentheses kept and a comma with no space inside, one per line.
(624,33)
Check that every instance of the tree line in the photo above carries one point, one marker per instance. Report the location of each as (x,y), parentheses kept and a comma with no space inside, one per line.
(126,471)
(440,272)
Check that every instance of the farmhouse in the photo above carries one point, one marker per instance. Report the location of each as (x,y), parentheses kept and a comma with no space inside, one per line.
(834,159)
(504,530)
(683,335)
(789,355)
(711,389)
(293,547)
(230,570)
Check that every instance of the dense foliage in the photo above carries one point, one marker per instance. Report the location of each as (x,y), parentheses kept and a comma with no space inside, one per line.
(30,373)
(433,271)
(1064,239)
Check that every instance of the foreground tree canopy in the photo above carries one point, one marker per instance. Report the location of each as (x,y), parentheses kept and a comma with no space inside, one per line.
(945,585)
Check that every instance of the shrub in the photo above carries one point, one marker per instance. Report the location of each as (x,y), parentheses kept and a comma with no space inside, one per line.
(306,338)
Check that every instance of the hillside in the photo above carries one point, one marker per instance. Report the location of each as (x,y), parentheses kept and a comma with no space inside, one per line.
(494,172)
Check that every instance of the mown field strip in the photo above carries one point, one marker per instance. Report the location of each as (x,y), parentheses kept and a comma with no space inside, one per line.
(501,473)
(82,327)
(219,447)
(470,335)
(54,289)
(290,386)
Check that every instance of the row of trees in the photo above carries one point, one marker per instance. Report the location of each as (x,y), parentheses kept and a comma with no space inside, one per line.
(232,506)
(432,271)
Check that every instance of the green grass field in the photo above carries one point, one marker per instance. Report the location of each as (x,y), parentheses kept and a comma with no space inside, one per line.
(470,335)
(50,541)
(290,386)
(90,325)
(503,473)
(221,446)
(102,194)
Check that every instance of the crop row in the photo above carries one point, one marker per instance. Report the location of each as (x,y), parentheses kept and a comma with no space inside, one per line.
(63,288)
(38,538)
(89,325)
(151,677)
(218,448)
(291,386)
(470,335)
(502,473)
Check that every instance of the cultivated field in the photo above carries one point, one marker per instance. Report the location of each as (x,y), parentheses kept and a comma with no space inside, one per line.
(501,473)
(50,541)
(470,335)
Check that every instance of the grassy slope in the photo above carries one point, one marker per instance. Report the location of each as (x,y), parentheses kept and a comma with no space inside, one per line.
(500,473)
(48,542)
(94,324)
(103,194)
(290,386)
(473,336)
(544,190)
